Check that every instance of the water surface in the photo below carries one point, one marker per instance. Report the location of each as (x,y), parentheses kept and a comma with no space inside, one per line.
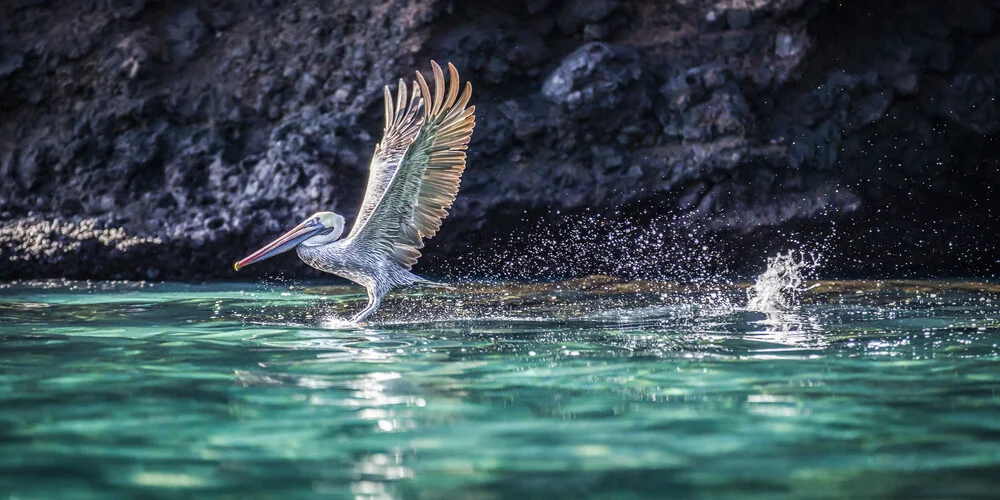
(592,388)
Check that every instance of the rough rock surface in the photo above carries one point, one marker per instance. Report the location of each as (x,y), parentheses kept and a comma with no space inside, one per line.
(147,139)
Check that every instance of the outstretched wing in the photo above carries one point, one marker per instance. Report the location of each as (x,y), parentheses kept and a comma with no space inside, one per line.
(426,181)
(402,123)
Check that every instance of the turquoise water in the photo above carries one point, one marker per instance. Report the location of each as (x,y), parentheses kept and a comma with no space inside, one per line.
(587,389)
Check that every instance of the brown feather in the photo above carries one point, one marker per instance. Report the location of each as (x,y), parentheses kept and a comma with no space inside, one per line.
(425,184)
(402,124)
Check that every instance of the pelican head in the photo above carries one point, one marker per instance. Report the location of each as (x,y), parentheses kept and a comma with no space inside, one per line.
(319,229)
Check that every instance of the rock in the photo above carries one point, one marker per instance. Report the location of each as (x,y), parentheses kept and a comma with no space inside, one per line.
(187,33)
(220,19)
(787,44)
(872,107)
(129,9)
(970,101)
(677,92)
(738,19)
(31,167)
(907,84)
(11,63)
(537,6)
(305,86)
(202,129)
(341,95)
(725,113)
(598,80)
(596,31)
(578,13)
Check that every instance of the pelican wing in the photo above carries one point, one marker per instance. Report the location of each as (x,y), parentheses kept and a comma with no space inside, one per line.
(402,123)
(424,185)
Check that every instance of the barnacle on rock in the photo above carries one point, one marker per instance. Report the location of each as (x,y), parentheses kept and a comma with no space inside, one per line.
(36,238)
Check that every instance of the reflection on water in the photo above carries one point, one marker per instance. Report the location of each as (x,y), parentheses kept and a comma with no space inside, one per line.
(792,330)
(590,388)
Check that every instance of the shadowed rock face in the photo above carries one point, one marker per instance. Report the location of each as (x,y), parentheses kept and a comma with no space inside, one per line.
(145,139)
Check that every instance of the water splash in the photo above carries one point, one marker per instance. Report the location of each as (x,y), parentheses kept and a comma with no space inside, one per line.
(778,288)
(338,323)
(660,269)
(662,247)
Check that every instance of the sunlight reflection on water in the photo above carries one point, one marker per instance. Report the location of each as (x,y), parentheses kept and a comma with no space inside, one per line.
(491,387)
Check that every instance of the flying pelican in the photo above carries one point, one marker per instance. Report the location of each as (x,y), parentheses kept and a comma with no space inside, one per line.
(413,179)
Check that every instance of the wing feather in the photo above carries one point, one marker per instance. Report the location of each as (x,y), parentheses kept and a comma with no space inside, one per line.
(402,124)
(426,182)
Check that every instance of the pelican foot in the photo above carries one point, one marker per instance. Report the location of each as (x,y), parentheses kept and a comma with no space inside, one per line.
(359,319)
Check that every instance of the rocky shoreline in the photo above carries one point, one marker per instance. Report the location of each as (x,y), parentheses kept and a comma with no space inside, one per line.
(162,140)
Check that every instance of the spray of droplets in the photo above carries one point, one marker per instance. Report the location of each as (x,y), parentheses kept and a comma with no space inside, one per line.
(653,266)
(661,247)
(778,288)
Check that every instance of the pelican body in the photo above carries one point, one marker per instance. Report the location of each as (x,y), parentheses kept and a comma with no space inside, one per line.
(413,179)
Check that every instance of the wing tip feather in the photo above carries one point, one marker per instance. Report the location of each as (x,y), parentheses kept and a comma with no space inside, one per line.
(388,108)
(445,108)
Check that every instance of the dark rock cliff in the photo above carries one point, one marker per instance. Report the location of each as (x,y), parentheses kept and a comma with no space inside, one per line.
(149,139)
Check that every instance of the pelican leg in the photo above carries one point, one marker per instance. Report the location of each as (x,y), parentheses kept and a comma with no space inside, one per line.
(374,301)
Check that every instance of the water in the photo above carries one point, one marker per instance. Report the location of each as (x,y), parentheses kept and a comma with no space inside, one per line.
(595,388)
(778,288)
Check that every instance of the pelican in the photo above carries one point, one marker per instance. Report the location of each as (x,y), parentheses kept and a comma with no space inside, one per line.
(413,179)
